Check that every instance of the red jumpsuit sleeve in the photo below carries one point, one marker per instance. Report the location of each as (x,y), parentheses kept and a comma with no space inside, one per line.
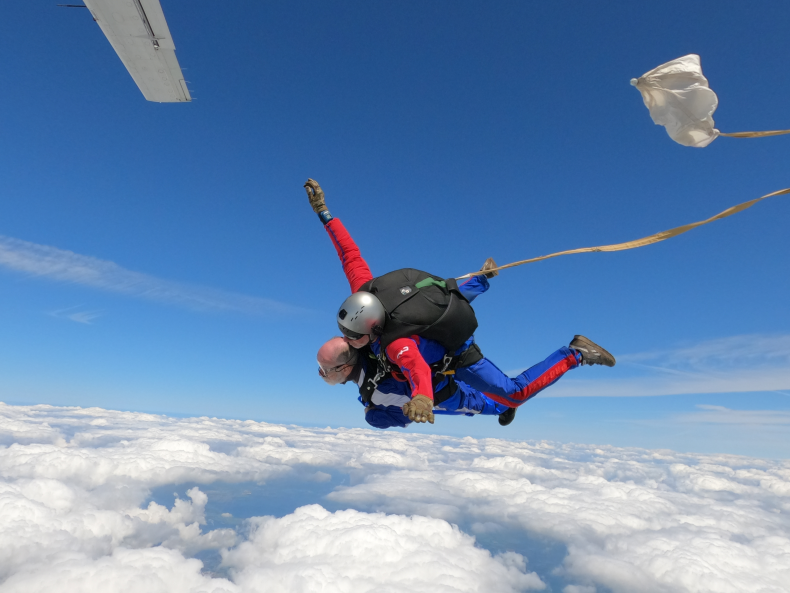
(356,269)
(405,353)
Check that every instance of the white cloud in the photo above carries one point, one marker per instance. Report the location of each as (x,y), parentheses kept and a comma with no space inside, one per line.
(45,520)
(73,512)
(154,570)
(742,350)
(66,266)
(632,520)
(314,550)
(722,415)
(74,314)
(735,364)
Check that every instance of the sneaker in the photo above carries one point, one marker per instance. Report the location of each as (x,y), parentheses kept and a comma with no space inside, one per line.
(591,352)
(490,264)
(507,416)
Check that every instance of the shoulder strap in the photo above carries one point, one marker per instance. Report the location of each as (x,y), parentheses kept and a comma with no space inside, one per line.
(375,371)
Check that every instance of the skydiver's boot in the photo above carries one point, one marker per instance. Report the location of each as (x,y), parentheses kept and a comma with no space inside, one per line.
(490,264)
(507,416)
(591,352)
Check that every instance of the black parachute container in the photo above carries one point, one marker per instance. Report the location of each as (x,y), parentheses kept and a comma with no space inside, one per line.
(419,303)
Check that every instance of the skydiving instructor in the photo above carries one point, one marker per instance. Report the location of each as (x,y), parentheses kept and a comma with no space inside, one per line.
(415,359)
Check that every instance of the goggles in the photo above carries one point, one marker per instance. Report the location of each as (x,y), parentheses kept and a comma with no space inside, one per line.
(351,335)
(324,372)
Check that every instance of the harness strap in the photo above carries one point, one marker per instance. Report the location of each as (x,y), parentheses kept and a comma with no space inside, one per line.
(446,392)
(372,379)
(450,362)
(446,363)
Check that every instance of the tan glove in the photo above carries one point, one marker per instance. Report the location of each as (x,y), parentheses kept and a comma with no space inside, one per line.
(316,196)
(419,409)
(489,265)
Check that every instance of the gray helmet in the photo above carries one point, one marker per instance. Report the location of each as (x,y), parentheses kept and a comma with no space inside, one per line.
(361,314)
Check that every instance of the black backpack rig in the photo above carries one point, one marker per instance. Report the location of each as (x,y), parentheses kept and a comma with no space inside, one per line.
(432,307)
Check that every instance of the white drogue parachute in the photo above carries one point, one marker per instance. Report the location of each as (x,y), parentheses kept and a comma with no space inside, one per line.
(679,98)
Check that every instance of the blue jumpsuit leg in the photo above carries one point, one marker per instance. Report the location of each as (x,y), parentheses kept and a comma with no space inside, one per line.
(484,376)
(470,401)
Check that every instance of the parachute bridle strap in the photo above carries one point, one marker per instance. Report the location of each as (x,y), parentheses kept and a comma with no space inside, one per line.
(658,237)
(754,134)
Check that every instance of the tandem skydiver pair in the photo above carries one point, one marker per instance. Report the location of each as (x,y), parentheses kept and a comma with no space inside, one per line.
(408,343)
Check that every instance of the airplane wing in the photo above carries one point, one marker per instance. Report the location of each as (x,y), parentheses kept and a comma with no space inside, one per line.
(138,33)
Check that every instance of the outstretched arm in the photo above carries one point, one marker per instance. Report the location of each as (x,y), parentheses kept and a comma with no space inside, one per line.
(356,269)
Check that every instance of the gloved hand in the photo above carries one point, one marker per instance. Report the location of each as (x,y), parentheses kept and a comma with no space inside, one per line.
(489,265)
(419,409)
(316,196)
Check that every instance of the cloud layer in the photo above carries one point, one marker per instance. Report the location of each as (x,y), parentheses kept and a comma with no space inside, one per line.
(66,266)
(74,484)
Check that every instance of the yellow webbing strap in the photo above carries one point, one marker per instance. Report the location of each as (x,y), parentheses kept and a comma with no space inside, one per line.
(662,236)
(755,134)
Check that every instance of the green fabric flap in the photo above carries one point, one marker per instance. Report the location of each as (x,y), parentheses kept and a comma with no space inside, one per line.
(430,282)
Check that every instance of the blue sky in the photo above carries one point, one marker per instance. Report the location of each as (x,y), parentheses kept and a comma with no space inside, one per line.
(442,134)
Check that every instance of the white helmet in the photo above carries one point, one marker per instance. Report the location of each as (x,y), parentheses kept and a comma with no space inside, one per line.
(361,314)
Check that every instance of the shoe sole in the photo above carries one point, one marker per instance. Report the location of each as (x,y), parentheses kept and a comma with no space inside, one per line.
(587,342)
(509,420)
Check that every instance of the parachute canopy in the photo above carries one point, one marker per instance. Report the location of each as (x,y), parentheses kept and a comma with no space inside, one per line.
(679,98)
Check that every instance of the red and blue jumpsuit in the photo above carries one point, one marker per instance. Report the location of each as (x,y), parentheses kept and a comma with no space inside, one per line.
(413,354)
